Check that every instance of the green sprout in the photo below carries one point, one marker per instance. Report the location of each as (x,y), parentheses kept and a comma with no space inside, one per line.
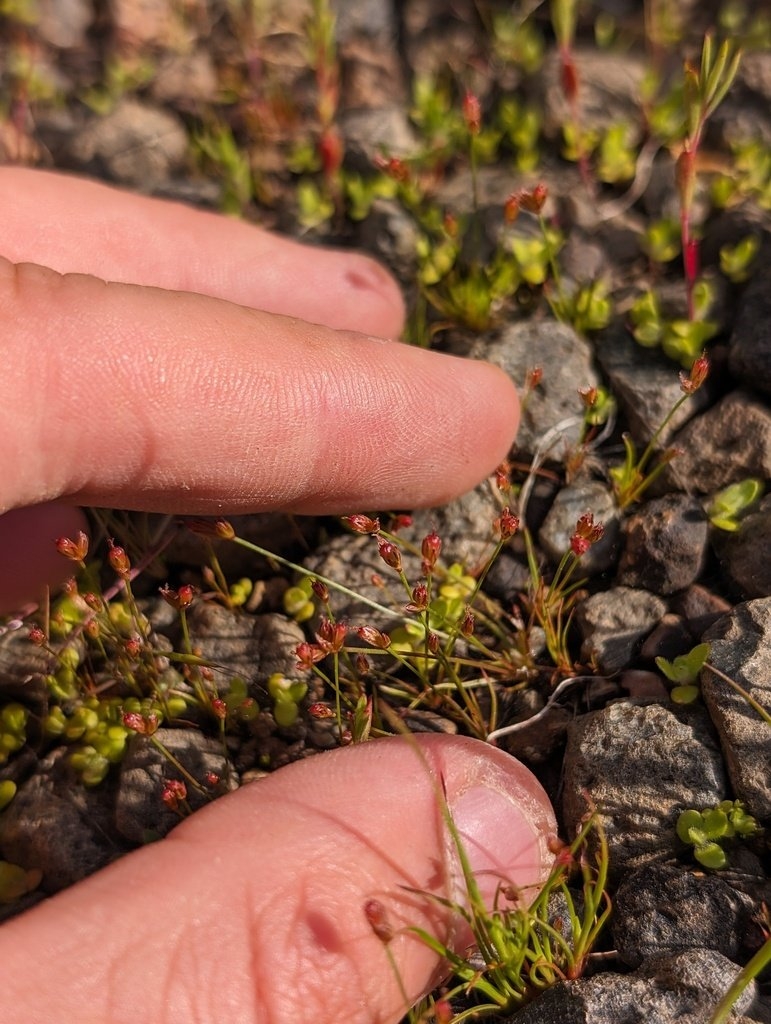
(727,507)
(736,260)
(684,673)
(706,830)
(13,729)
(286,695)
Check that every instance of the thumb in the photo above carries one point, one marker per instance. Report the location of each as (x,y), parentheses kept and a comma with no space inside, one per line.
(253,909)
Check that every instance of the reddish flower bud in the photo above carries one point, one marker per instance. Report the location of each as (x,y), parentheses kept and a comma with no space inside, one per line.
(472,113)
(433,642)
(589,396)
(308,654)
(363,666)
(374,636)
(362,524)
(174,793)
(331,636)
(133,646)
(390,554)
(37,636)
(181,598)
(118,559)
(400,522)
(467,625)
(507,524)
(511,208)
(443,1011)
(430,549)
(145,725)
(93,601)
(534,200)
(394,167)
(419,601)
(376,915)
(219,708)
(699,372)
(212,779)
(533,378)
(76,550)
(320,710)
(91,628)
(321,590)
(587,532)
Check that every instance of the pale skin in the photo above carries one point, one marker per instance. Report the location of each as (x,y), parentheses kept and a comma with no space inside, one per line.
(224,370)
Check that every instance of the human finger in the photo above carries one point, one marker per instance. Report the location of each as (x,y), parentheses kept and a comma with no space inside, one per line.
(74,225)
(260,908)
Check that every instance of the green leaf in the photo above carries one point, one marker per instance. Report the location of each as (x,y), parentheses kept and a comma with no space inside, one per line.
(711,856)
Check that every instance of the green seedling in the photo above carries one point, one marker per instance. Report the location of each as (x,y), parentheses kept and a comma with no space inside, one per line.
(706,830)
(221,156)
(737,260)
(7,792)
(704,89)
(286,695)
(521,948)
(16,881)
(13,729)
(661,242)
(616,155)
(635,475)
(684,673)
(727,507)
(681,339)
(750,177)
(519,125)
(298,600)
(517,40)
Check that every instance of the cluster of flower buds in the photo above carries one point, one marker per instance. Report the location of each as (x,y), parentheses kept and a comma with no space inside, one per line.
(694,380)
(174,793)
(507,524)
(181,598)
(587,532)
(530,200)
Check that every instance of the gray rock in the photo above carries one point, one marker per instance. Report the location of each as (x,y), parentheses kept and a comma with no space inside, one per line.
(566,360)
(371,133)
(750,351)
(664,909)
(63,23)
(250,646)
(465,526)
(645,384)
(189,78)
(730,441)
(58,825)
(641,765)
(135,144)
(700,608)
(571,502)
(665,545)
(677,990)
(741,649)
(746,555)
(140,812)
(613,622)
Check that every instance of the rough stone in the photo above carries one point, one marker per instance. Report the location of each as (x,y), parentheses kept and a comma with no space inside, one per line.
(571,502)
(730,441)
(613,622)
(746,554)
(645,384)
(750,351)
(662,908)
(56,824)
(187,78)
(679,990)
(741,649)
(641,765)
(140,812)
(665,545)
(135,144)
(552,415)
(64,23)
(250,646)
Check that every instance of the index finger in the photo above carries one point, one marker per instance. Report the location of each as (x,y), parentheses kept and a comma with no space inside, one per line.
(78,226)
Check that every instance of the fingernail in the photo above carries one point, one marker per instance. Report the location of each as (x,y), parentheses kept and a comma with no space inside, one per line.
(503,837)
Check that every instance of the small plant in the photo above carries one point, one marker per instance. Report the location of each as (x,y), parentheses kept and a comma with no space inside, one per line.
(706,830)
(522,947)
(727,507)
(635,475)
(684,673)
(704,90)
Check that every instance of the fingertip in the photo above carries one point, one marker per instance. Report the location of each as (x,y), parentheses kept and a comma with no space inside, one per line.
(28,555)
